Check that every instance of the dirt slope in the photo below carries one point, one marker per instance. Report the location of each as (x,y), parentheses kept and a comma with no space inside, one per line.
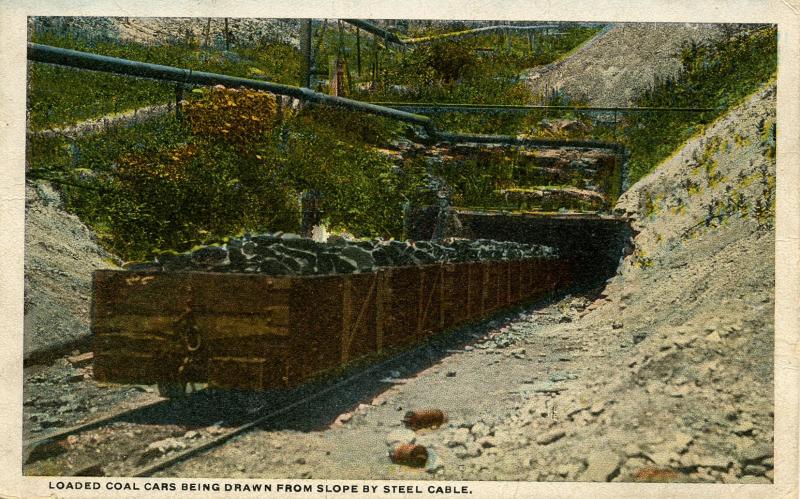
(665,376)
(60,255)
(615,67)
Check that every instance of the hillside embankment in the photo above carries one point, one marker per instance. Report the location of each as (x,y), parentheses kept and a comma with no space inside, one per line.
(60,255)
(617,65)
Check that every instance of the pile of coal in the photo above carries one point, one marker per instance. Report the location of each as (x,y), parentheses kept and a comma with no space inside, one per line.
(290,254)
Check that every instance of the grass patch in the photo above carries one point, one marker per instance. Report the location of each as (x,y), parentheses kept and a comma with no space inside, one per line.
(59,96)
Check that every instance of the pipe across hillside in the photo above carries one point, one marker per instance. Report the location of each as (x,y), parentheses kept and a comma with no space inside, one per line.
(94,62)
(390,37)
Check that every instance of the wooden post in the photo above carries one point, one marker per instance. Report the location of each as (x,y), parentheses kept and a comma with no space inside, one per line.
(178,99)
(227,36)
(305,51)
(347,312)
(358,51)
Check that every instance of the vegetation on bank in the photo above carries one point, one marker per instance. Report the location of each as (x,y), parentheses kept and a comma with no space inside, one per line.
(716,76)
(236,162)
(228,165)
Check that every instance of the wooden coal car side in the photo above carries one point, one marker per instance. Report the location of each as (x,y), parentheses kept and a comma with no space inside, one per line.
(253,331)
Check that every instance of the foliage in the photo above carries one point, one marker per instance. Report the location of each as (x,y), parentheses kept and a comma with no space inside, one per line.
(362,190)
(717,76)
(59,95)
(234,116)
(234,163)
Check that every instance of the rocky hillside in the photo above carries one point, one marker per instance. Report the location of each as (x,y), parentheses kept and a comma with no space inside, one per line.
(686,331)
(60,255)
(614,68)
(154,30)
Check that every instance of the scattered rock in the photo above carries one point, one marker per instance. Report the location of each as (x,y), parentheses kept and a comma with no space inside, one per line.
(471,449)
(550,437)
(167,445)
(755,469)
(401,436)
(81,360)
(343,418)
(681,442)
(434,462)
(479,429)
(597,408)
(460,437)
(755,452)
(708,461)
(744,428)
(601,466)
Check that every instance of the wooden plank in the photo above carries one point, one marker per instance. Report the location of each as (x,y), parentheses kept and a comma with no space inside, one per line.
(470,292)
(238,293)
(380,297)
(364,323)
(347,313)
(509,276)
(428,319)
(402,306)
(134,324)
(244,346)
(442,308)
(127,292)
(240,373)
(104,346)
(456,293)
(420,303)
(516,281)
(134,368)
(272,322)
(316,321)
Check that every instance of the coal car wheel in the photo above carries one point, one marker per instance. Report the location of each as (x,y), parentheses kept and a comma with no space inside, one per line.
(172,389)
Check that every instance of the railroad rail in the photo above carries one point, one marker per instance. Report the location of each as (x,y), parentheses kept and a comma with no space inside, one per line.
(41,449)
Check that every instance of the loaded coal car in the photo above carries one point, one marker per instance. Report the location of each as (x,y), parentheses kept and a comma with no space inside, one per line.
(276,310)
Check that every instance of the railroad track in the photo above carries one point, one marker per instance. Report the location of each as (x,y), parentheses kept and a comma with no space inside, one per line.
(53,454)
